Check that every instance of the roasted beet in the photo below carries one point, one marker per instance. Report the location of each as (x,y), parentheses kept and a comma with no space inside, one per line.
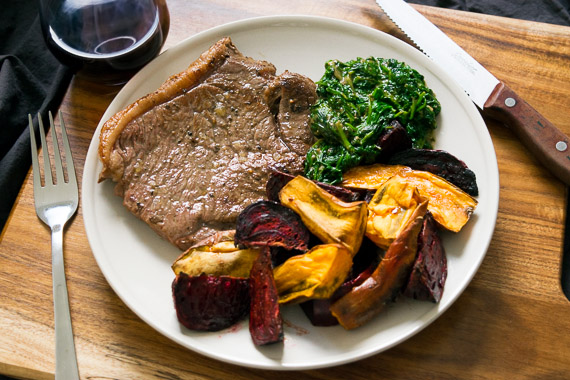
(369,195)
(342,193)
(210,303)
(318,312)
(429,272)
(392,140)
(279,179)
(275,183)
(265,322)
(441,163)
(279,254)
(268,223)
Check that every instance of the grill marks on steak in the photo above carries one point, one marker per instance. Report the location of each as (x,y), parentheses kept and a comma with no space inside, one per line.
(188,166)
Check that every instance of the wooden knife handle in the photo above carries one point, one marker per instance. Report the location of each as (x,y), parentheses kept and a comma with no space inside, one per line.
(541,137)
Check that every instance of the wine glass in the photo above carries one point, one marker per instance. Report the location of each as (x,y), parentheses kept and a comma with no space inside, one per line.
(105,40)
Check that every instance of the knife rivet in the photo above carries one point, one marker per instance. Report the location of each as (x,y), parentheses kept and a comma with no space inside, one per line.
(561,146)
(510,102)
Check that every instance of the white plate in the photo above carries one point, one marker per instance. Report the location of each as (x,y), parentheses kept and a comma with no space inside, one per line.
(136,262)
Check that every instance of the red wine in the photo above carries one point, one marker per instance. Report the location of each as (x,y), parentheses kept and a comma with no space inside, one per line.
(105,39)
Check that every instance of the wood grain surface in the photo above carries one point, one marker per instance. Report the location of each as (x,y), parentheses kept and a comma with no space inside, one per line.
(512,322)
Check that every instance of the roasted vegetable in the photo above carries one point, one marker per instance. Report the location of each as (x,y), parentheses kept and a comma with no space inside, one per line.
(279,179)
(368,299)
(441,163)
(319,313)
(318,310)
(429,272)
(363,264)
(390,210)
(220,257)
(315,274)
(357,100)
(267,223)
(371,177)
(279,255)
(210,303)
(392,140)
(451,207)
(265,322)
(330,219)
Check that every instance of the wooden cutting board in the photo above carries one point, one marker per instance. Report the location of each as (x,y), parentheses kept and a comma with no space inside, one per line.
(511,322)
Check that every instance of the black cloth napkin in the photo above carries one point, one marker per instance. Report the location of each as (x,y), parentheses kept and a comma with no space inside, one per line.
(549,11)
(31,80)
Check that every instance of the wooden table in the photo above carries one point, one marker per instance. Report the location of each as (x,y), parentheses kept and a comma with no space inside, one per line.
(512,322)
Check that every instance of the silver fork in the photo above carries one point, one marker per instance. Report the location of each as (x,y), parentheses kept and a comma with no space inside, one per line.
(55,204)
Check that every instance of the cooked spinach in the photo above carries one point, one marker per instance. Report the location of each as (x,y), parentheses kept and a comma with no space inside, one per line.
(357,100)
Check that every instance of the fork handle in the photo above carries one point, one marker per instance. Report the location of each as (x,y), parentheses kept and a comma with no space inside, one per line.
(65,358)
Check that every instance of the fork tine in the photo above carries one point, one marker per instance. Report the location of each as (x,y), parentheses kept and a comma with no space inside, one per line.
(56,155)
(35,164)
(68,157)
(47,165)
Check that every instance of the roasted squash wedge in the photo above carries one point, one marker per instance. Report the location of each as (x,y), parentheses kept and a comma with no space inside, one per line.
(368,299)
(371,176)
(316,274)
(390,211)
(450,206)
(327,217)
(216,257)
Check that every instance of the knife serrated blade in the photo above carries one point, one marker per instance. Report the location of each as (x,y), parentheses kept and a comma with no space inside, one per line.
(491,95)
(477,82)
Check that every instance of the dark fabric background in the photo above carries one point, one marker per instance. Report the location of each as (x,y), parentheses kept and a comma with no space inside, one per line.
(31,81)
(550,11)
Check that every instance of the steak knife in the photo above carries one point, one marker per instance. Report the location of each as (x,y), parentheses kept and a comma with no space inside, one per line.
(493,97)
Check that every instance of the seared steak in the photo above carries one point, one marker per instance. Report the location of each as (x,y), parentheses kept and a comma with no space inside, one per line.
(190,156)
